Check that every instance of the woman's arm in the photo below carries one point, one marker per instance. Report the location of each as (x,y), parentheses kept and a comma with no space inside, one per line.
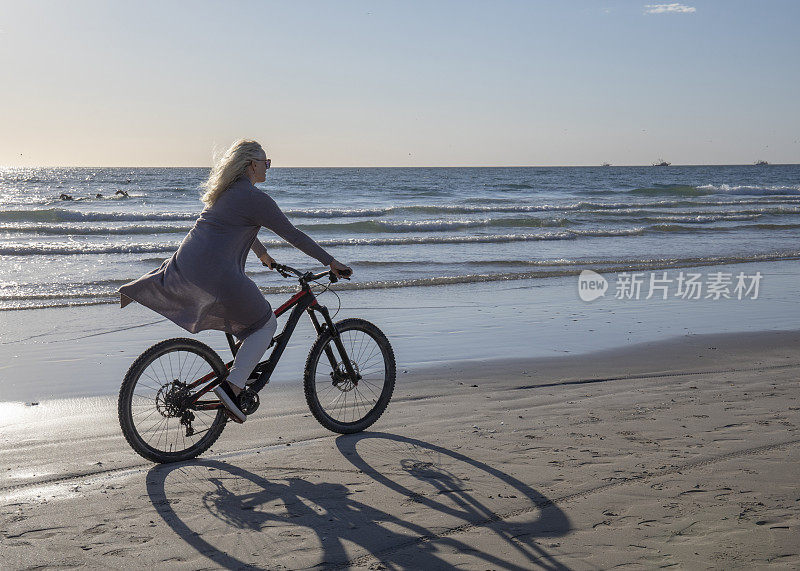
(261,253)
(268,214)
(258,248)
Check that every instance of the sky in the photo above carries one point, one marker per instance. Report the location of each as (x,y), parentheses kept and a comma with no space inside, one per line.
(405,83)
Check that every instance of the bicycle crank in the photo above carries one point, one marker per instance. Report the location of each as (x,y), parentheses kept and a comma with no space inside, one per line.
(248,401)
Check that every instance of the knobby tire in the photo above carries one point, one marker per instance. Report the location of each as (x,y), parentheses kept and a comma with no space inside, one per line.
(370,350)
(138,377)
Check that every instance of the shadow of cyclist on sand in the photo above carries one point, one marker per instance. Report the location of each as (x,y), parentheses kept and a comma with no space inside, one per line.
(424,473)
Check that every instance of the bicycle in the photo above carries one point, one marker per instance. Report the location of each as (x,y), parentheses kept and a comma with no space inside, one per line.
(348,380)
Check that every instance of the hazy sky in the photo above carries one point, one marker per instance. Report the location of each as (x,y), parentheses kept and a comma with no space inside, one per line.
(378,83)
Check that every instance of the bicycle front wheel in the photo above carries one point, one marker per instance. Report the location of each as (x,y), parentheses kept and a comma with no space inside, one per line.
(340,403)
(153,411)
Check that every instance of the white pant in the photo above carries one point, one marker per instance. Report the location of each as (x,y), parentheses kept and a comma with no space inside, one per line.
(250,352)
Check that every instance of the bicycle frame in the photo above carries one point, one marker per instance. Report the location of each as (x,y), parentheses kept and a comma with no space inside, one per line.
(303,301)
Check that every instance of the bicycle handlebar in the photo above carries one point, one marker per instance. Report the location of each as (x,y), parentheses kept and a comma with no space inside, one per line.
(304,277)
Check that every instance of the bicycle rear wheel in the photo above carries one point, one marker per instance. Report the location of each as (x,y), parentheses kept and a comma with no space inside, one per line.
(152,414)
(338,403)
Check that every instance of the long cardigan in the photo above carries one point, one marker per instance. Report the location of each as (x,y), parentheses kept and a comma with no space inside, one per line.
(203,285)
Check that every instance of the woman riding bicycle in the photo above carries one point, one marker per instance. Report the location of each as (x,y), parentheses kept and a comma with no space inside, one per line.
(204,286)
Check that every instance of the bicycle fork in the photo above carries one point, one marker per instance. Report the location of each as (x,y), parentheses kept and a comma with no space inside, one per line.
(337,340)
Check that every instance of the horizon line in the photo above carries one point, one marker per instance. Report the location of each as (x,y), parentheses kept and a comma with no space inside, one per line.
(398,166)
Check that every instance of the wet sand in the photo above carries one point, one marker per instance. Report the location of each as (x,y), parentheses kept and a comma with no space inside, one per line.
(85,351)
(674,453)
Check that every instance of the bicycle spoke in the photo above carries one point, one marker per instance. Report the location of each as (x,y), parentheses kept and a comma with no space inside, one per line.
(347,401)
(149,414)
(156,425)
(336,398)
(155,410)
(363,383)
(156,381)
(373,400)
(361,404)
(194,373)
(363,349)
(166,377)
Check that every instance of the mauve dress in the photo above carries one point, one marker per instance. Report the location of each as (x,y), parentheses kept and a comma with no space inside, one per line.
(203,285)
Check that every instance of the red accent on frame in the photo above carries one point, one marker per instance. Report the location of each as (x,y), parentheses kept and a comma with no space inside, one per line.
(295,298)
(207,388)
(208,377)
(282,309)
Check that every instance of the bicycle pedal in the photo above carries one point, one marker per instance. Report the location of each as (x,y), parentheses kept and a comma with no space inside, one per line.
(232,417)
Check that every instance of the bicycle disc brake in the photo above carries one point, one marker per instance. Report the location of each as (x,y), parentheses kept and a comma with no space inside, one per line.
(342,381)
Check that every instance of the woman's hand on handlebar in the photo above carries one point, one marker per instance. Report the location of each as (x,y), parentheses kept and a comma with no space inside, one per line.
(340,270)
(267,260)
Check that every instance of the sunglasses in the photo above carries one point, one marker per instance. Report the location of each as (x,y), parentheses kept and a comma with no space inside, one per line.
(267,161)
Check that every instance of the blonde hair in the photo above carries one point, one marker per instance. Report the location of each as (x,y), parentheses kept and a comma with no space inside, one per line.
(230,166)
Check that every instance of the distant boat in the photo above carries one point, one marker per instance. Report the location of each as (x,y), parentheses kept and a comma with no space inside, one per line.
(661,163)
(760,163)
(606,165)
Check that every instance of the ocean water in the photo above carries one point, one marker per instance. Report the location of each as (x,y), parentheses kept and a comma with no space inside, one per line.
(398,227)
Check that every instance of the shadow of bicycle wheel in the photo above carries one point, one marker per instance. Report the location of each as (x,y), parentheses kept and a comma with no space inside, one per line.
(316,516)
(461,487)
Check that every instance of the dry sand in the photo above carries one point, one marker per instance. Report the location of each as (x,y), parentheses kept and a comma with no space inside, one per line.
(680,453)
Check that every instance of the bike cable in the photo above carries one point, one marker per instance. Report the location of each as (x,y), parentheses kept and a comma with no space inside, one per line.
(327,288)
